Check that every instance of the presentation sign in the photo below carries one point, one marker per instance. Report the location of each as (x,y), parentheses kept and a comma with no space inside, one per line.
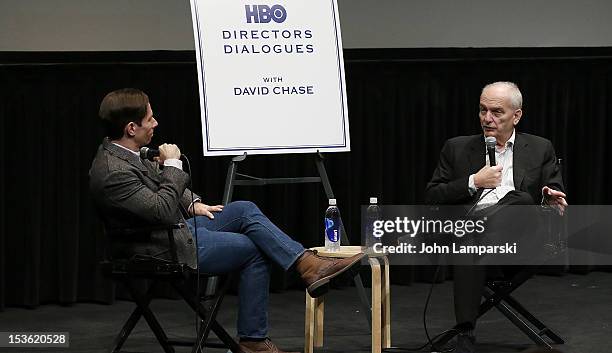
(271,76)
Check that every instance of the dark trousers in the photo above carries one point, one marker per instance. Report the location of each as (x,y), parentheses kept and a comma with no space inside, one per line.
(469,280)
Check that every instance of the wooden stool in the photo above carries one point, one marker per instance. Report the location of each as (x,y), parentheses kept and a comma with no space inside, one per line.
(381,311)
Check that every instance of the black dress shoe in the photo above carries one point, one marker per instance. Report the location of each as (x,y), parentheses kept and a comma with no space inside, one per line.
(466,343)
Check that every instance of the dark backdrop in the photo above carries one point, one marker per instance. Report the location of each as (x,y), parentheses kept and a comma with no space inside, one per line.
(403,104)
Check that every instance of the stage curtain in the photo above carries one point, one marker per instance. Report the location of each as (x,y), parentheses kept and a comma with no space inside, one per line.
(403,104)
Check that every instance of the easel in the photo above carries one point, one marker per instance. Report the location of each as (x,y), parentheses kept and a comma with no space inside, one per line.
(237,179)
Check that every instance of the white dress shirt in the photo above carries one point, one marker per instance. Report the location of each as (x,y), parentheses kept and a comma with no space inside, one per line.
(503,157)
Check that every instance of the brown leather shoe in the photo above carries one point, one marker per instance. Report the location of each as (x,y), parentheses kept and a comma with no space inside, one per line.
(265,346)
(316,271)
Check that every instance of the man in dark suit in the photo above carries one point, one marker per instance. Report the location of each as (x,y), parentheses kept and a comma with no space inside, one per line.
(131,192)
(526,173)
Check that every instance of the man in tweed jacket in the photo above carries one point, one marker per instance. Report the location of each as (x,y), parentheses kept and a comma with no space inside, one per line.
(131,192)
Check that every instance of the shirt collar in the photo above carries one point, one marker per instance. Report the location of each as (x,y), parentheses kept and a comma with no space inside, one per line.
(127,149)
(510,142)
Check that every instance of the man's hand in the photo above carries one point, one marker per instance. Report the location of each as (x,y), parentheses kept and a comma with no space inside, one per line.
(201,209)
(555,199)
(488,177)
(168,151)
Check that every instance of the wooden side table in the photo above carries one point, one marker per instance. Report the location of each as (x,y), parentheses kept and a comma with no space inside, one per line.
(381,302)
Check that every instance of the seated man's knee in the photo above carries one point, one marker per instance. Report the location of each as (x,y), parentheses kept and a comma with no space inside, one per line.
(244,207)
(525,199)
(515,197)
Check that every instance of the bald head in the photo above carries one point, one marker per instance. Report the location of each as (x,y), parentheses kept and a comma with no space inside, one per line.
(500,110)
(507,89)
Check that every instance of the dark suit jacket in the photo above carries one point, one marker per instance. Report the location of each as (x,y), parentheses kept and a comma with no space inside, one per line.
(534,166)
(130,192)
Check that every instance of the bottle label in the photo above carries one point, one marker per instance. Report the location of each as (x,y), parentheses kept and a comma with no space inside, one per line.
(331,230)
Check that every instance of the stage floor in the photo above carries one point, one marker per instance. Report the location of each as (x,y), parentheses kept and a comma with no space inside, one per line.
(578,307)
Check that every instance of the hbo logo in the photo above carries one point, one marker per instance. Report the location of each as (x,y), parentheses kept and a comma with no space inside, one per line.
(265,13)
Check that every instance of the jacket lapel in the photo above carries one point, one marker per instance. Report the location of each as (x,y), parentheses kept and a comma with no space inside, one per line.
(476,154)
(520,154)
(153,174)
(127,156)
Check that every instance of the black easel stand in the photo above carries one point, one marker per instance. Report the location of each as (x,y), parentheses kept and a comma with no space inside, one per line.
(237,179)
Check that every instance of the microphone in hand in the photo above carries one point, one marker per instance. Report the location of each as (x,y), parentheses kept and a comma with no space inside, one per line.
(490,142)
(165,151)
(148,153)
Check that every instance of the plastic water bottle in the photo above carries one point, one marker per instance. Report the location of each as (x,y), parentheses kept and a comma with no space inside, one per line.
(372,215)
(332,227)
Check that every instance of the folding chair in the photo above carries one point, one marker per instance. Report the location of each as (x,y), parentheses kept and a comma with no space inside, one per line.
(180,277)
(498,294)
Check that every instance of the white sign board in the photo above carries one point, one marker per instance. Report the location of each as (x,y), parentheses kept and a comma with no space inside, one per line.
(271,76)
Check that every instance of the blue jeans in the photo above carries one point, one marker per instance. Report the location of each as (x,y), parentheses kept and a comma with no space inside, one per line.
(243,239)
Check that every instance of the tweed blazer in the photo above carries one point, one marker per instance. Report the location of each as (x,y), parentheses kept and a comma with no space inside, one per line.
(534,166)
(130,192)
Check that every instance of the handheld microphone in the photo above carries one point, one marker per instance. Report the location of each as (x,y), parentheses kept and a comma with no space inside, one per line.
(490,142)
(148,153)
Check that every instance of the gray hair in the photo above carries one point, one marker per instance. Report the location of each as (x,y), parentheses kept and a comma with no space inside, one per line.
(516,98)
